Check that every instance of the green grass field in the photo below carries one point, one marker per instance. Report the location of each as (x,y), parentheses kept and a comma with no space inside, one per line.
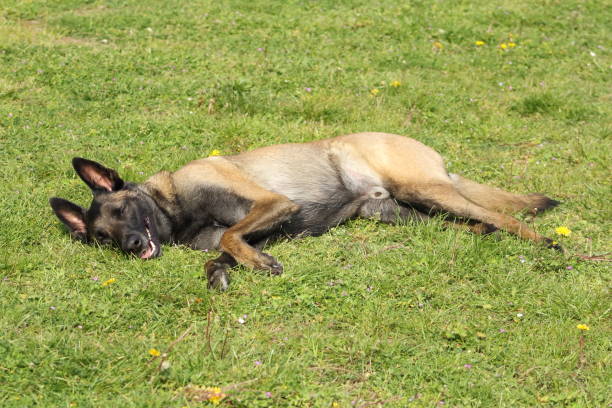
(515,94)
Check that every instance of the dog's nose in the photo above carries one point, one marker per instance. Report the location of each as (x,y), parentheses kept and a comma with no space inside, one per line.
(134,243)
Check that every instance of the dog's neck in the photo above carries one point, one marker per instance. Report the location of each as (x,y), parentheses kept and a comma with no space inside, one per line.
(160,188)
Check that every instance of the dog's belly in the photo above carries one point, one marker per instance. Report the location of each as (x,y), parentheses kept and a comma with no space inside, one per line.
(316,218)
(329,185)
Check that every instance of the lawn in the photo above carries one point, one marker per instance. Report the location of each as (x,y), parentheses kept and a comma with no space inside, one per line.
(515,94)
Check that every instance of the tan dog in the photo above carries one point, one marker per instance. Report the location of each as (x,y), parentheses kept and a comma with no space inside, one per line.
(238,203)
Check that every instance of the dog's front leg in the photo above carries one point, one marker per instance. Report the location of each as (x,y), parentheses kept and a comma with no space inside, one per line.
(266,212)
(217,271)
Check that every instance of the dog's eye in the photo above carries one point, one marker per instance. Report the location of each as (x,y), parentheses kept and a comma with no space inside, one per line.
(101,236)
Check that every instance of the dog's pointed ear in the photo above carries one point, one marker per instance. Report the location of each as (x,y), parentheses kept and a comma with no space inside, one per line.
(96,176)
(72,215)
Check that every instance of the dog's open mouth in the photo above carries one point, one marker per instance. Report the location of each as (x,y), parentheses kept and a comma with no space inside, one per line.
(152,250)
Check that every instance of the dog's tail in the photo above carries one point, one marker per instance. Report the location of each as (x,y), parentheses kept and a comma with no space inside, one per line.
(499,200)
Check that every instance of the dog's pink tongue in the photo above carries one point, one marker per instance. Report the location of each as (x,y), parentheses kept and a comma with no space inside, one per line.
(150,249)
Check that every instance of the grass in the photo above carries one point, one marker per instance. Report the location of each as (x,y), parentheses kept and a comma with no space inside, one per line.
(367,315)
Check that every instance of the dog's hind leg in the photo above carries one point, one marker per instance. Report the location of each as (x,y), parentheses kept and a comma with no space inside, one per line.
(445,197)
(499,200)
(389,211)
(415,173)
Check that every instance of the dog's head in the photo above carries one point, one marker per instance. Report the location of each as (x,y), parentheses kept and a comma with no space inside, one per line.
(120,213)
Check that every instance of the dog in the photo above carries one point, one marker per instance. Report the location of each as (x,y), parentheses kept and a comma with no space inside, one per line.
(236,204)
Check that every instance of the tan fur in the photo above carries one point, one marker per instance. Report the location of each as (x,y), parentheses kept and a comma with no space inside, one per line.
(221,202)
(496,199)
(368,163)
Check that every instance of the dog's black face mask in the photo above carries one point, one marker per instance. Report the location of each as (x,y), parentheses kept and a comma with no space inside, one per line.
(119,214)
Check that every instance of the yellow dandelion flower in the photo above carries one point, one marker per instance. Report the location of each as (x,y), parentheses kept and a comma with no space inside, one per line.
(583,327)
(215,395)
(566,232)
(109,282)
(395,84)
(154,352)
(335,404)
(374,92)
(511,44)
(480,43)
(215,152)
(503,46)
(438,45)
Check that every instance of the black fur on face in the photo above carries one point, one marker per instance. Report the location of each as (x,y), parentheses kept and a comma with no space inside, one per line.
(125,218)
(120,213)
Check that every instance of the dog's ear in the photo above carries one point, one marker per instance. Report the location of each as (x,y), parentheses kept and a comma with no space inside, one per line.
(72,215)
(96,176)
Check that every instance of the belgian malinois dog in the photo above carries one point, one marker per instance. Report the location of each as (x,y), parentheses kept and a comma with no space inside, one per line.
(236,204)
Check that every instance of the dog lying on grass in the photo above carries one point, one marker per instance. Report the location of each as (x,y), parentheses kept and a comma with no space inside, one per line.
(237,204)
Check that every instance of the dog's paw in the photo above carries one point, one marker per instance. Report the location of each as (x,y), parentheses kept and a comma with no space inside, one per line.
(219,280)
(218,277)
(271,264)
(276,269)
